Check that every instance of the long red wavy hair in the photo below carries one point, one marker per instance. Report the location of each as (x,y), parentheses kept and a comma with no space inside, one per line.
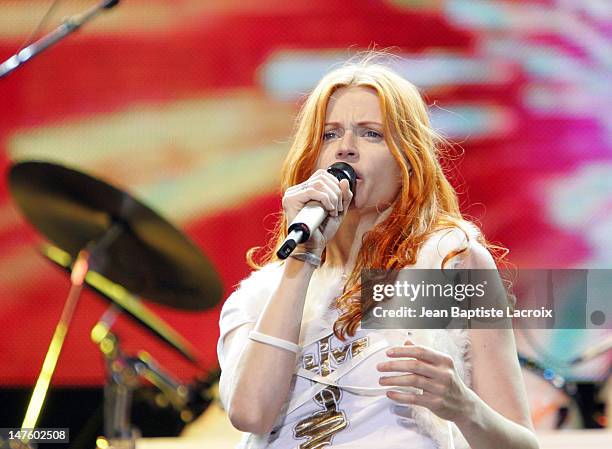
(425,204)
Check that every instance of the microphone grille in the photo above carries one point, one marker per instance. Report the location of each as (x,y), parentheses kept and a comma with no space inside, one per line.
(342,170)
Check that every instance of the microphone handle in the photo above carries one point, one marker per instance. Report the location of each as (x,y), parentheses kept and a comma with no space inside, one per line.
(308,219)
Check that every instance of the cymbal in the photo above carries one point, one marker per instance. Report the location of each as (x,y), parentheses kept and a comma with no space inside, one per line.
(129,303)
(132,245)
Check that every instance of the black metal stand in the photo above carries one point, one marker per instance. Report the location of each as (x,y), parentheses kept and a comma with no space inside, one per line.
(70,25)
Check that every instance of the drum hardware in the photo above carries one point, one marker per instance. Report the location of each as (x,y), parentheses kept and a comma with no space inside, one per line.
(595,407)
(127,303)
(66,28)
(149,257)
(564,402)
(124,374)
(596,350)
(549,375)
(172,392)
(578,406)
(79,271)
(119,246)
(606,419)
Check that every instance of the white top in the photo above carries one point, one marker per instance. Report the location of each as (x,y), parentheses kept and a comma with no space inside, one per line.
(335,400)
(340,418)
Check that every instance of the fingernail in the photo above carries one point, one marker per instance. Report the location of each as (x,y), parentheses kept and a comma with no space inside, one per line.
(379,366)
(390,352)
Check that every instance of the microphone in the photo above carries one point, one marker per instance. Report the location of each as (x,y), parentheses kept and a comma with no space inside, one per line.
(313,213)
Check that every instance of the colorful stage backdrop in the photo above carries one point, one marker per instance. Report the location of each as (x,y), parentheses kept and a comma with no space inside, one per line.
(189,105)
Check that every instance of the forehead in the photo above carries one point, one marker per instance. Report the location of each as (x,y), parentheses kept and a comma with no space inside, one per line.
(354,103)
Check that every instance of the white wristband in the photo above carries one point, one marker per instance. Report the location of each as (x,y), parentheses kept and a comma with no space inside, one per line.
(274,341)
(310,258)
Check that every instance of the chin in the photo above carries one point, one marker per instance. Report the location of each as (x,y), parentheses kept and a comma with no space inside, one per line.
(362,208)
(358,202)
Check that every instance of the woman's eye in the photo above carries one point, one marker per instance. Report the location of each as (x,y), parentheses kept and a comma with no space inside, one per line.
(329,135)
(373,134)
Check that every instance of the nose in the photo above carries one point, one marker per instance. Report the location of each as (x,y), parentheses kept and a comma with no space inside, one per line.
(347,154)
(348,151)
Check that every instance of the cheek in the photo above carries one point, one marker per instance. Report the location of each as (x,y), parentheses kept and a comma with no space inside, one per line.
(325,158)
(391,189)
(384,190)
(393,178)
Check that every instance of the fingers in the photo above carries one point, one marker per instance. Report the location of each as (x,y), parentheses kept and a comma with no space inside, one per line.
(347,195)
(412,380)
(427,370)
(408,366)
(323,197)
(423,400)
(423,353)
(333,185)
(330,185)
(424,367)
(322,187)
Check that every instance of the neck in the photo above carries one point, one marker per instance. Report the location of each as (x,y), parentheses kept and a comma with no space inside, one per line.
(343,248)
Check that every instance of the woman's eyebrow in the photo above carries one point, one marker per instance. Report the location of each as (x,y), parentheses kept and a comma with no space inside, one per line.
(369,122)
(362,123)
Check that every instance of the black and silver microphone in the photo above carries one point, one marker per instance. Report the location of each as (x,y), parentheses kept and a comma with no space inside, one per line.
(313,213)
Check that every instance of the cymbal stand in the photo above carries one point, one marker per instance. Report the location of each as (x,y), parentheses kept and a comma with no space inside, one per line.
(69,26)
(177,394)
(123,375)
(79,272)
(121,380)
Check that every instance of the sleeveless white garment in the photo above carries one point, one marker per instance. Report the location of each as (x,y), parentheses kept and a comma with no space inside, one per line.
(335,399)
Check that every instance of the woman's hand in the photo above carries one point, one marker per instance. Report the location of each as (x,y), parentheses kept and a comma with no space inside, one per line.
(444,393)
(335,196)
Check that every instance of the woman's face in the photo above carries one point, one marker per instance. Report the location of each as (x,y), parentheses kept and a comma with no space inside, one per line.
(353,134)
